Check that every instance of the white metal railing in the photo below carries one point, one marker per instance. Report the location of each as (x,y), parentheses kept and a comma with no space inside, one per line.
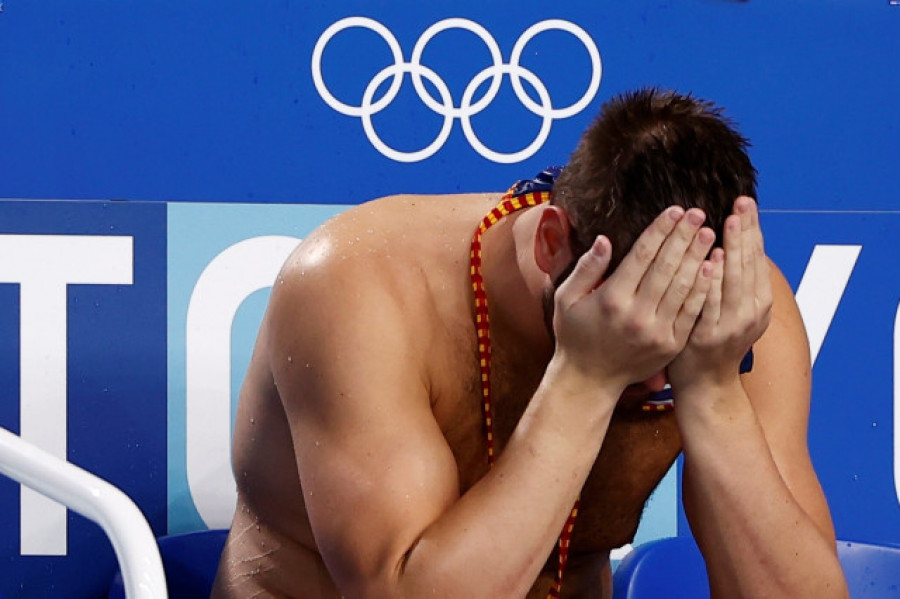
(96,499)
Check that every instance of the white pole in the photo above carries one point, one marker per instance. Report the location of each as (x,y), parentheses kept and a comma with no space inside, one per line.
(96,499)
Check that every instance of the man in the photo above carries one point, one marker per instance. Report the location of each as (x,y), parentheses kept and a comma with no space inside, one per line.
(379,387)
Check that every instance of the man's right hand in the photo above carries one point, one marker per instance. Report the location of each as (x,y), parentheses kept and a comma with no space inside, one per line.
(634,324)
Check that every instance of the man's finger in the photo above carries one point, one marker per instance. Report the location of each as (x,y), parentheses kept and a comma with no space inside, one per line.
(712,309)
(763,290)
(638,260)
(685,279)
(746,208)
(696,300)
(713,269)
(588,272)
(732,277)
(666,267)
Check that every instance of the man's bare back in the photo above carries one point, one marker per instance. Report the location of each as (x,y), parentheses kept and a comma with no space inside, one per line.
(418,247)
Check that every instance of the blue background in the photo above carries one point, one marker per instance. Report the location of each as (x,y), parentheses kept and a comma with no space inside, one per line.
(116,376)
(851,421)
(197,233)
(169,101)
(214,101)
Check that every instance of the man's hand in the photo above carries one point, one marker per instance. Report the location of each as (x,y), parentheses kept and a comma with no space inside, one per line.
(744,438)
(737,309)
(639,319)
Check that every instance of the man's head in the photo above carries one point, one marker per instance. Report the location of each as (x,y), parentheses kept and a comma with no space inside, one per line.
(647,150)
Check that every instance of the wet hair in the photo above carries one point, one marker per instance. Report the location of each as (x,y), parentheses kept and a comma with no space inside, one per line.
(647,150)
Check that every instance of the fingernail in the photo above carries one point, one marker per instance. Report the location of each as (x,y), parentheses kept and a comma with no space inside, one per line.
(676,212)
(744,204)
(696,218)
(599,248)
(707,235)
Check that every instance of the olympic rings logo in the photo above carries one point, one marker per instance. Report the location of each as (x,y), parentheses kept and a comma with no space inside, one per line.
(445,107)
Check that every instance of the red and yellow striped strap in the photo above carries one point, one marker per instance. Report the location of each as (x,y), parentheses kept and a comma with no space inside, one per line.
(510,203)
(507,205)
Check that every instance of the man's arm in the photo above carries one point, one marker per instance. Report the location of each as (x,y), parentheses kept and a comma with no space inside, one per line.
(750,492)
(379,479)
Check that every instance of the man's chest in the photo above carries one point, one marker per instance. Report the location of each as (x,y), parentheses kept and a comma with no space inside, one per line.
(638,450)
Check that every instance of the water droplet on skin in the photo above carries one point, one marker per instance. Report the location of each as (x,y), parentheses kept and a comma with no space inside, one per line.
(318,443)
(307,364)
(290,359)
(253,421)
(281,280)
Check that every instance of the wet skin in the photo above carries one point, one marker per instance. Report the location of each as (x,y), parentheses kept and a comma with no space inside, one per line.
(370,330)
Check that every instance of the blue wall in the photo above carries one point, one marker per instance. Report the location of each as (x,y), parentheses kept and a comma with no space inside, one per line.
(206,117)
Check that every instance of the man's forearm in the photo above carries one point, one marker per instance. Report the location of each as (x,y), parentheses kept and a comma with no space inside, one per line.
(495,540)
(755,536)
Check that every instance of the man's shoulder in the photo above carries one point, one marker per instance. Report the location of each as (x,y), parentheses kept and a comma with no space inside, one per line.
(385,247)
(335,274)
(784,305)
(368,297)
(396,260)
(335,309)
(779,383)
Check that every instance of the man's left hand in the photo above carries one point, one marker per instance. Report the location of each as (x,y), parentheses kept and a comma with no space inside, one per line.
(737,309)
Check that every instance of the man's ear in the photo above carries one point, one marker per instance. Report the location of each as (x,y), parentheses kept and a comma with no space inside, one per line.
(552,246)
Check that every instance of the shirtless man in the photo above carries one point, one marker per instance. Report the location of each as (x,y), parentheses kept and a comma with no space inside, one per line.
(360,448)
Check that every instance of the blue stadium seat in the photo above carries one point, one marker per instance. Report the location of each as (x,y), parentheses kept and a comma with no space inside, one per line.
(871,570)
(673,568)
(190,561)
(668,568)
